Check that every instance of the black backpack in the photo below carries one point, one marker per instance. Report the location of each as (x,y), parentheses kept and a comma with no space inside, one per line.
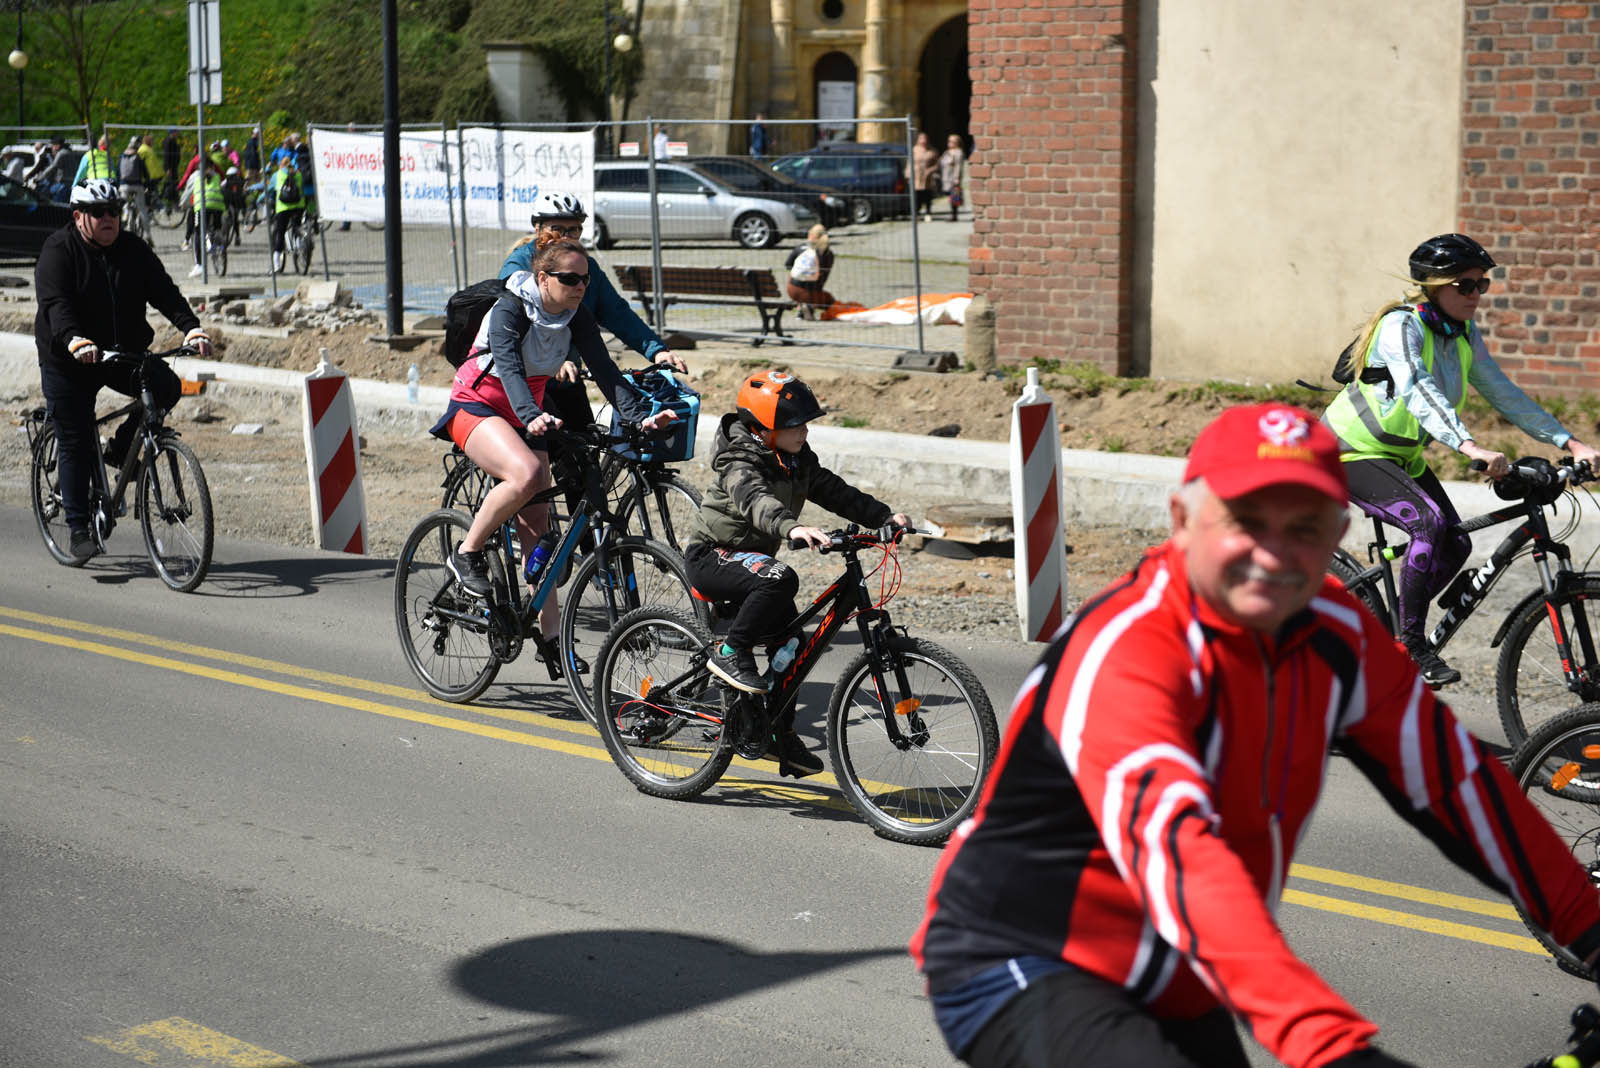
(464,312)
(289,191)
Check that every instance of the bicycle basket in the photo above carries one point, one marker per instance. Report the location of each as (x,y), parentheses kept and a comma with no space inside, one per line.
(660,389)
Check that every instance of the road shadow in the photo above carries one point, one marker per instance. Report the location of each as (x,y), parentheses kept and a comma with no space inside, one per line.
(285,577)
(587,985)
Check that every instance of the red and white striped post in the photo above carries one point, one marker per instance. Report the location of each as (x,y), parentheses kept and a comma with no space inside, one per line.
(333,458)
(1041,552)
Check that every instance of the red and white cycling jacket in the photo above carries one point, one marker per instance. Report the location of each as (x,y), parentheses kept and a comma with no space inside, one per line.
(1158,771)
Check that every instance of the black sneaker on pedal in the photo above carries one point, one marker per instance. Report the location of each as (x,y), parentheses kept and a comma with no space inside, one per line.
(471,570)
(737,668)
(1435,672)
(794,759)
(83,545)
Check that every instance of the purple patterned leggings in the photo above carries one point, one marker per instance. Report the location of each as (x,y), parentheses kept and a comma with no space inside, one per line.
(1423,510)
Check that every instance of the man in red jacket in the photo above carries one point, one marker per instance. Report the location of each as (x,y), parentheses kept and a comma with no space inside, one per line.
(1111,900)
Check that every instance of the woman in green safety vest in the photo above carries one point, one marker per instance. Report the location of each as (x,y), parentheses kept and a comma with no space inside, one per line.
(1412,363)
(208,206)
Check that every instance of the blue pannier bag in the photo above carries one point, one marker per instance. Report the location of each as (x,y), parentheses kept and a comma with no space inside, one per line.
(660,389)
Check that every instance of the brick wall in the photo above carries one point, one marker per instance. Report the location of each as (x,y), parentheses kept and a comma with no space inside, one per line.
(1530,188)
(1053,93)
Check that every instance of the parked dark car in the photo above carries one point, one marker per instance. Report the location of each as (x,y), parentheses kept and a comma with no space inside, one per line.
(871,176)
(26,219)
(758,179)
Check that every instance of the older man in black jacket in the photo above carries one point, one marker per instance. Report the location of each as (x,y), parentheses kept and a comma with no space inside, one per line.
(92,283)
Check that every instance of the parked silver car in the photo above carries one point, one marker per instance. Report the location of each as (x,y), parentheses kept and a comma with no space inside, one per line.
(693,206)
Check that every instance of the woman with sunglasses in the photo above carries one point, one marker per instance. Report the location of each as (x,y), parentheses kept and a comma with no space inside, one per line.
(1412,363)
(498,394)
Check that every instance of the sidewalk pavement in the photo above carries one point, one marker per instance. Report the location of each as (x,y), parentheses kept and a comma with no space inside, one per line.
(1126,490)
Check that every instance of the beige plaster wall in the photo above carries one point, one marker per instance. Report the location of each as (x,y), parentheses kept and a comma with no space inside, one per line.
(1299,152)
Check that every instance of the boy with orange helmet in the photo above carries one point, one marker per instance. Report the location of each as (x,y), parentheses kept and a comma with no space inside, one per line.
(765,473)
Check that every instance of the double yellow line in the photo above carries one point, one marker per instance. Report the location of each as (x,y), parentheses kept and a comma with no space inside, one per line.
(184,658)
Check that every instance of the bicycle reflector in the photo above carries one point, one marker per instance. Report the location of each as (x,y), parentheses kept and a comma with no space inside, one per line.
(908,706)
(1565,774)
(644,686)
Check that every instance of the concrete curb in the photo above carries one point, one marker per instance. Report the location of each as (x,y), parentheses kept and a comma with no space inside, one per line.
(1098,489)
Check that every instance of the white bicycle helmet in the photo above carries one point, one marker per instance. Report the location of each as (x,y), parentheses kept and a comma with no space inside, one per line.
(557,206)
(93,191)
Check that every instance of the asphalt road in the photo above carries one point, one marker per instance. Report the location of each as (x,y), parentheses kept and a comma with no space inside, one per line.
(234,828)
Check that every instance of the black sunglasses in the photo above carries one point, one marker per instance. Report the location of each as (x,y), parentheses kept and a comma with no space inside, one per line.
(101,211)
(1469,286)
(569,278)
(564,231)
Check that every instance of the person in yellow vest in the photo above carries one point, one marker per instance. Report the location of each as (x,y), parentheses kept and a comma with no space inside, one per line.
(96,163)
(208,206)
(288,205)
(1412,363)
(152,161)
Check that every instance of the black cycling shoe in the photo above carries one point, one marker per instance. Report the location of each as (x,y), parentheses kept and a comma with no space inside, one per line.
(471,570)
(1435,672)
(737,668)
(793,758)
(83,546)
(577,661)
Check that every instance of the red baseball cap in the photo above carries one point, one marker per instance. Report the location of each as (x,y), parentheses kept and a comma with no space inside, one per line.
(1245,449)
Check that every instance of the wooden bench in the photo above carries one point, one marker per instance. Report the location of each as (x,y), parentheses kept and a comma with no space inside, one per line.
(739,286)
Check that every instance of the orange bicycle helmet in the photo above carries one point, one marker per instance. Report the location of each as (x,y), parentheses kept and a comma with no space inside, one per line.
(777,400)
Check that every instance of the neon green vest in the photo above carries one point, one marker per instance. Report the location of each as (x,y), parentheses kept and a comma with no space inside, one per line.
(1366,434)
(208,193)
(99,165)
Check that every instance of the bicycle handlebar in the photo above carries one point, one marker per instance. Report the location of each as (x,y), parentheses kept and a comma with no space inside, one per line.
(853,537)
(114,354)
(596,436)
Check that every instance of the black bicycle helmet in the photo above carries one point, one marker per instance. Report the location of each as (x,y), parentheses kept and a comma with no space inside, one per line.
(1446,256)
(777,401)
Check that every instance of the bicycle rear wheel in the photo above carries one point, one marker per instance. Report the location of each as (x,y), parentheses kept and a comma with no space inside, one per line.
(175,515)
(1347,569)
(637,573)
(660,713)
(1531,679)
(1558,769)
(304,241)
(167,214)
(45,487)
(919,789)
(444,631)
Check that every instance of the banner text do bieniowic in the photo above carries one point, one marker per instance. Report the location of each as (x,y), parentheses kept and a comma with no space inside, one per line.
(498,173)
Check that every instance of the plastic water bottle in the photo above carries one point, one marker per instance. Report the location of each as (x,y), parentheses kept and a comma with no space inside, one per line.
(536,559)
(413,380)
(784,656)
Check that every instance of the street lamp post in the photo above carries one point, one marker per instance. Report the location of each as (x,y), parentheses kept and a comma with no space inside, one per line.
(622,42)
(18,60)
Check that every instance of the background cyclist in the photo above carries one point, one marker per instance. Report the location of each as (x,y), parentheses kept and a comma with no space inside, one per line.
(1112,899)
(93,282)
(288,206)
(1412,363)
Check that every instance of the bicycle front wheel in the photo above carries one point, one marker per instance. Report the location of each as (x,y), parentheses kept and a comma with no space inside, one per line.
(175,515)
(636,573)
(48,513)
(167,214)
(1558,769)
(444,630)
(1531,678)
(676,505)
(919,786)
(303,242)
(660,711)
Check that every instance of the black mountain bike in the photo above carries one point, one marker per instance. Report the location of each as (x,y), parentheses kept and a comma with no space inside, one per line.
(173,502)
(911,733)
(455,642)
(1535,679)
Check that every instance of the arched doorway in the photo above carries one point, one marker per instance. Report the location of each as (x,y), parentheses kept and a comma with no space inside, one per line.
(834,77)
(944,85)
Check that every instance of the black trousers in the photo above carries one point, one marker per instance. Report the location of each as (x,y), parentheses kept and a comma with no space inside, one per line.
(1074,1019)
(763,588)
(69,394)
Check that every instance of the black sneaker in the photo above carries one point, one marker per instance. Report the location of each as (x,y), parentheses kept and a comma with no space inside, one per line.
(793,758)
(1435,672)
(737,668)
(83,545)
(471,570)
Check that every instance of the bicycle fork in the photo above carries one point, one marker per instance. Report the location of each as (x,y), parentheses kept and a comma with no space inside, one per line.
(896,701)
